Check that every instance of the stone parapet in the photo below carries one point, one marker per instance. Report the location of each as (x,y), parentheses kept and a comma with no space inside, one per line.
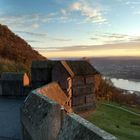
(76,128)
(43,119)
(40,118)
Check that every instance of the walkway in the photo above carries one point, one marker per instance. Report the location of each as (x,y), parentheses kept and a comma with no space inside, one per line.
(129,111)
(10,118)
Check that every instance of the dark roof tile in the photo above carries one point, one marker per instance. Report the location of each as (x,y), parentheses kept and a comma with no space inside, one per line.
(82,68)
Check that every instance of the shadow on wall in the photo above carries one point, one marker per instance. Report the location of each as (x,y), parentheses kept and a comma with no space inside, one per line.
(14,84)
(43,118)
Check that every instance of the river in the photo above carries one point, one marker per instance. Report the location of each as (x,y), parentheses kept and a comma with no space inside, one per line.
(126,84)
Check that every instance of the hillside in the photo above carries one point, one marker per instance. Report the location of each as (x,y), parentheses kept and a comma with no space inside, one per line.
(15,49)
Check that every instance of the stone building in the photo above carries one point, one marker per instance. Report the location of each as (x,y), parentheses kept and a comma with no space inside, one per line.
(13,84)
(77,79)
(41,73)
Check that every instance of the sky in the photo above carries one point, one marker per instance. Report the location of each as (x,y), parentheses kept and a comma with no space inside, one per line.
(76,28)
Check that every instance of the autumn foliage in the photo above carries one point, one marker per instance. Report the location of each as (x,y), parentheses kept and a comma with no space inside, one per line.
(106,91)
(15,49)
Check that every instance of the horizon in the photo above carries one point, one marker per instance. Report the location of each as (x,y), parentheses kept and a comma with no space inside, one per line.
(76,28)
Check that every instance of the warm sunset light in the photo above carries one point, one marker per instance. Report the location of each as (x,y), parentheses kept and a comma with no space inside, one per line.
(69,69)
(76,28)
(104,53)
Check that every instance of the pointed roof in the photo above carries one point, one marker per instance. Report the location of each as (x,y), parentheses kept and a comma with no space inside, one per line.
(54,92)
(79,68)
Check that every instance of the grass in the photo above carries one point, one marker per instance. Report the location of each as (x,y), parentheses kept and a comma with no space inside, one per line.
(10,66)
(116,122)
(134,109)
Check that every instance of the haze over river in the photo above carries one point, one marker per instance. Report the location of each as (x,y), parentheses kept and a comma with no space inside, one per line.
(124,72)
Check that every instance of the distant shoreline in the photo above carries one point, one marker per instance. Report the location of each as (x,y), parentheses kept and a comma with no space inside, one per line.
(126,85)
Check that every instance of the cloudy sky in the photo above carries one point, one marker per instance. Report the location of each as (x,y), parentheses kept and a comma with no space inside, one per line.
(76,28)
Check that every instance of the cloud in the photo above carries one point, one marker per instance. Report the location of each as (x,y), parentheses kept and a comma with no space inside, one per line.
(43,49)
(112,38)
(132,2)
(35,25)
(136,40)
(76,6)
(63,11)
(107,47)
(49,17)
(27,22)
(137,12)
(91,13)
(31,21)
(33,41)
(32,33)
(60,39)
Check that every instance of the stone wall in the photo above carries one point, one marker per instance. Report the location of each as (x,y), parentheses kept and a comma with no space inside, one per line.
(98,80)
(10,88)
(13,89)
(44,119)
(41,76)
(0,89)
(40,118)
(59,74)
(80,89)
(76,128)
(83,91)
